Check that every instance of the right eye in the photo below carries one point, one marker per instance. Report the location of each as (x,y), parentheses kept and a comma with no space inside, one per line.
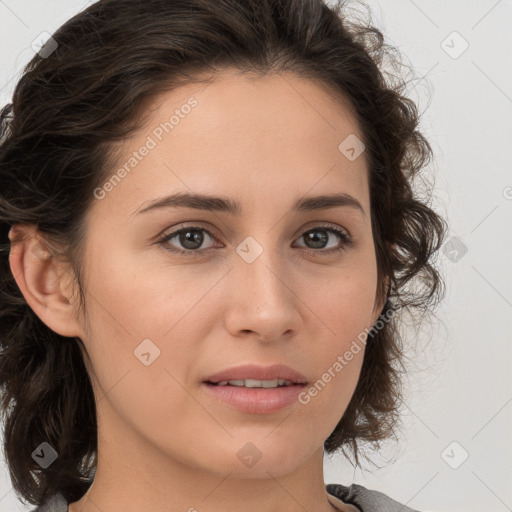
(190,237)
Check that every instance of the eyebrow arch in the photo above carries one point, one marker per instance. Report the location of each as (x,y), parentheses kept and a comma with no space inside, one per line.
(223,204)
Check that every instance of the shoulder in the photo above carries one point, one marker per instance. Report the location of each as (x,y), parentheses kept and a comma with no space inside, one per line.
(365,499)
(56,503)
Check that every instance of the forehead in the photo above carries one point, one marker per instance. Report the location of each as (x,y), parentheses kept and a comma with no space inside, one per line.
(244,136)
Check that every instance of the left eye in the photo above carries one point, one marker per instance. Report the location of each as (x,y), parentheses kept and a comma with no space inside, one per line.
(191,238)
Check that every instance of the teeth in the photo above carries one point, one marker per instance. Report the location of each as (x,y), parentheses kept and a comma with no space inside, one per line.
(252,383)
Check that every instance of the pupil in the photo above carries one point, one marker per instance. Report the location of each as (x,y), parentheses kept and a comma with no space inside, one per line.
(312,236)
(197,236)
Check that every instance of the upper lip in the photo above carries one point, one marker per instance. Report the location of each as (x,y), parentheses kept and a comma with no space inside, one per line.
(253,371)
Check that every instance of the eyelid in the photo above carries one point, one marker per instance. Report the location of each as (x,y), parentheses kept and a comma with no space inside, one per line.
(189,225)
(324,224)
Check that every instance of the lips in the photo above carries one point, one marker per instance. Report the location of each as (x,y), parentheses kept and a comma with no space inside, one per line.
(256,372)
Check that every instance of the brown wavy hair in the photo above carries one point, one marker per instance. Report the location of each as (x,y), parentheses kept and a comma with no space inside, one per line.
(56,146)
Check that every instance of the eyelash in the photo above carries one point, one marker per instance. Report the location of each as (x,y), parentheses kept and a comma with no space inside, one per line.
(346,240)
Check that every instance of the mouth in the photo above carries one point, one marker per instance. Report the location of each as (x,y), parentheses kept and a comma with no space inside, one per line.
(257,376)
(254,383)
(254,396)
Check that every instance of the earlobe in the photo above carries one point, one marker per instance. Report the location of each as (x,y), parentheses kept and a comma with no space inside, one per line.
(42,280)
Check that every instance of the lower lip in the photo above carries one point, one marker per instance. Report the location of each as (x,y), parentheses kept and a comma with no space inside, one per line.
(256,400)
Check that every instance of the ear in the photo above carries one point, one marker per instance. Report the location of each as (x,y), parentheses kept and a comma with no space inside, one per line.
(379,305)
(45,283)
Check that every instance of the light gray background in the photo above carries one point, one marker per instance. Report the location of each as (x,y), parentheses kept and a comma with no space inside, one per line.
(460,388)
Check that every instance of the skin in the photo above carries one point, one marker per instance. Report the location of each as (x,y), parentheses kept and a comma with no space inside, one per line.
(163,443)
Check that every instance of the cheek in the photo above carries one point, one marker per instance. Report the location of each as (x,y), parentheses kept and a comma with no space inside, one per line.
(344,309)
(135,318)
(343,306)
(137,374)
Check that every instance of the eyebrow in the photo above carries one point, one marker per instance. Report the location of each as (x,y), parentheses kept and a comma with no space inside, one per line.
(224,204)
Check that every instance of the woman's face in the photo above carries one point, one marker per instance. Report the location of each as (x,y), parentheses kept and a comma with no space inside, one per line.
(255,288)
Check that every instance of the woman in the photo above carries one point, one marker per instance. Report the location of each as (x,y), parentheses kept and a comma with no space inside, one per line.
(208,229)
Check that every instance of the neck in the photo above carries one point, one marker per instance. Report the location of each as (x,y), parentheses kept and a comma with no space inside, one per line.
(276,472)
(134,487)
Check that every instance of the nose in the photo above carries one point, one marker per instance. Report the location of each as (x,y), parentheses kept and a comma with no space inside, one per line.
(263,300)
